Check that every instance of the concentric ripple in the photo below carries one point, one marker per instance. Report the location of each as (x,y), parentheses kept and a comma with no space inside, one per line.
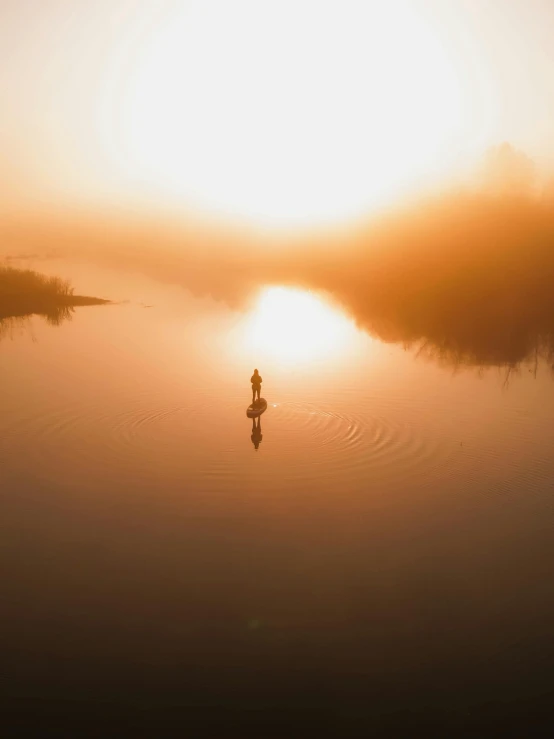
(360,445)
(206,437)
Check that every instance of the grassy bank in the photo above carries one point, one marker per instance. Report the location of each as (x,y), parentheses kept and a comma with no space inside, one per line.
(24,292)
(26,282)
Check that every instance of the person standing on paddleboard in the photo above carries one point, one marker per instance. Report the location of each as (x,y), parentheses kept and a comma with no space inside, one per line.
(256,381)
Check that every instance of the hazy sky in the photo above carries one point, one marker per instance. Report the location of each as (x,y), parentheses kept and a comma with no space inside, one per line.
(282,112)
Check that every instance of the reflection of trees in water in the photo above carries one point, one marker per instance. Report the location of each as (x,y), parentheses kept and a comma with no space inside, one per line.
(451,356)
(58,314)
(459,343)
(447,354)
(11,326)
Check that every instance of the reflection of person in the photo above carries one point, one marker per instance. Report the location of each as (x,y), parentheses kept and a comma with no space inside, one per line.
(256,381)
(256,432)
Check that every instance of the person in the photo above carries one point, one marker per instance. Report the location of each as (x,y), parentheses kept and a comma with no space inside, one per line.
(256,381)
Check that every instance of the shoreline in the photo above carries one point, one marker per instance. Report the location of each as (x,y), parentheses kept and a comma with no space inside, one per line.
(18,306)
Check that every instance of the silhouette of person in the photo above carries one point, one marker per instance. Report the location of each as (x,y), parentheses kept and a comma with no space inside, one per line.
(256,432)
(256,381)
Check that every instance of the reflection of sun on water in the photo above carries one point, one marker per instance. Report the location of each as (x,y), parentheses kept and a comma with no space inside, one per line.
(291,326)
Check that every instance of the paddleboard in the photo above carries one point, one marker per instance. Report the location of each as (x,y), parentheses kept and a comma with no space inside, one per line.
(256,410)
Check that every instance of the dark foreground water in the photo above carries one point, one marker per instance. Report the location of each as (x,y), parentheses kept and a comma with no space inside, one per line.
(388,546)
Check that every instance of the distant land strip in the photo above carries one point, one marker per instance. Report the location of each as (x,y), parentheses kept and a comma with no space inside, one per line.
(25,292)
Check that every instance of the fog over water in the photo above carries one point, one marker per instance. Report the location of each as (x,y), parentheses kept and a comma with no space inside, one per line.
(463,277)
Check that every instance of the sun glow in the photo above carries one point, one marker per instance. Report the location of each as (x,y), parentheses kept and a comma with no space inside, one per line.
(290,326)
(292,112)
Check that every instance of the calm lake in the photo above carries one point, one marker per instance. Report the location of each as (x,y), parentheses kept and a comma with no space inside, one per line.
(391,535)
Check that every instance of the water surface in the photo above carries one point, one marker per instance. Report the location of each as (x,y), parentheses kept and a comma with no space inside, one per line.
(391,536)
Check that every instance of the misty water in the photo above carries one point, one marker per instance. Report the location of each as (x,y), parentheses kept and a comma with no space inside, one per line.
(392,532)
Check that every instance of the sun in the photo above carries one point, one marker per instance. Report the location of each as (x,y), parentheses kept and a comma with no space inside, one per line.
(289,113)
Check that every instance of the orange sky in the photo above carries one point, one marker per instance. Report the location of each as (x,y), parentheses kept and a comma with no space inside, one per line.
(284,113)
